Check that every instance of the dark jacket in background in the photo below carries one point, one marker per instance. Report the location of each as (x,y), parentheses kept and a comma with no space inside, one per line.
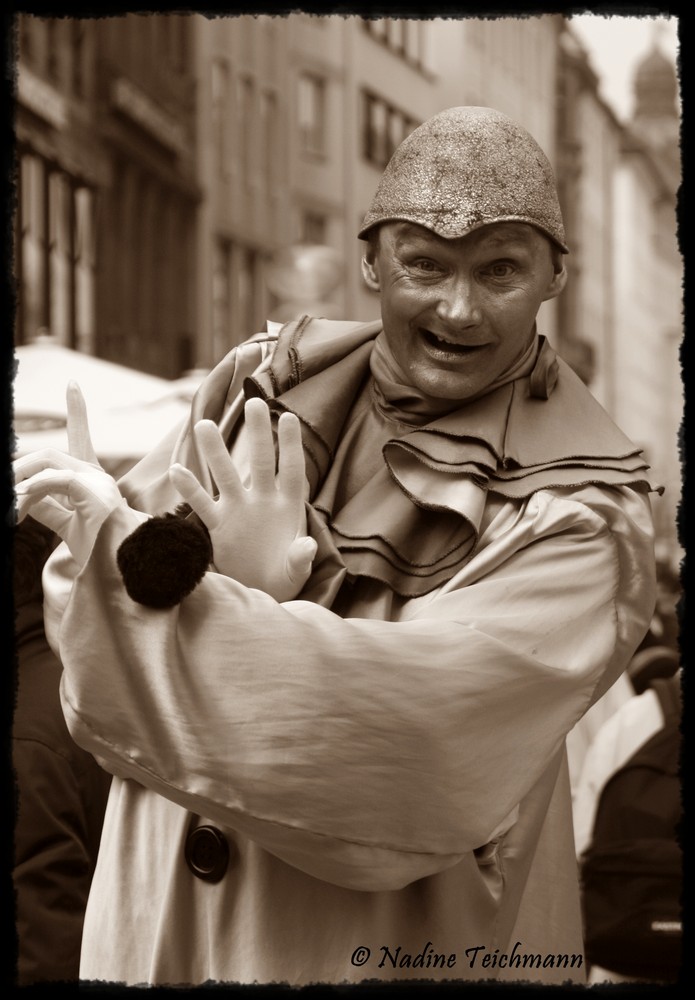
(60,793)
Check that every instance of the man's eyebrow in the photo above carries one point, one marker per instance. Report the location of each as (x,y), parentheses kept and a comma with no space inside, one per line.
(412,234)
(413,237)
(509,238)
(503,247)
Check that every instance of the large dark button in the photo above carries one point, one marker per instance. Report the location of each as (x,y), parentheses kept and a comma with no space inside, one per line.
(207,853)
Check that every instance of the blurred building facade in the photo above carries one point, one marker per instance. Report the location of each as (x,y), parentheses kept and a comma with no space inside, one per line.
(167,160)
(107,199)
(60,170)
(647,389)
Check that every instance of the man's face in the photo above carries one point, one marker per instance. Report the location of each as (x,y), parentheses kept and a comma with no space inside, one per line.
(458,313)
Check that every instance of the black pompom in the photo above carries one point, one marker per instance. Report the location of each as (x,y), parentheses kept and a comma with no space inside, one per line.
(164,559)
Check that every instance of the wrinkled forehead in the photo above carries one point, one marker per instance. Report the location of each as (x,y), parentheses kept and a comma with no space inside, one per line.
(494,235)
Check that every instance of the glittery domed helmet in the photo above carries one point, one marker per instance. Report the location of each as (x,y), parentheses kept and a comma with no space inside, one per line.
(466,168)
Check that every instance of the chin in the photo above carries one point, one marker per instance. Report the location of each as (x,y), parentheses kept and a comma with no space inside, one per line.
(444,385)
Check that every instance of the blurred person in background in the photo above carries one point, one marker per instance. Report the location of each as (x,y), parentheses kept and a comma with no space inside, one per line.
(657,656)
(664,627)
(339,755)
(60,790)
(629,834)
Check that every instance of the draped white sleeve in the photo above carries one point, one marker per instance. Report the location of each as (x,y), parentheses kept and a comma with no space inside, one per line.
(367,753)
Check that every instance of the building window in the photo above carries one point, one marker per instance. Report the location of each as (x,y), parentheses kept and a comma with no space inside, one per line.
(221,298)
(78,57)
(246,102)
(397,39)
(177,42)
(311,113)
(56,262)
(269,138)
(407,38)
(220,116)
(85,266)
(33,200)
(52,49)
(374,131)
(137,289)
(413,42)
(150,316)
(59,255)
(379,28)
(246,291)
(26,38)
(237,294)
(313,228)
(312,20)
(384,127)
(120,263)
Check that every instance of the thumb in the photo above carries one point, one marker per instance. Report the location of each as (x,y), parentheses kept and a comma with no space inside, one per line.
(300,556)
(79,440)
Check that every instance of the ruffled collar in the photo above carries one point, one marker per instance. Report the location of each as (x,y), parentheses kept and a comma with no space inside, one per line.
(413,514)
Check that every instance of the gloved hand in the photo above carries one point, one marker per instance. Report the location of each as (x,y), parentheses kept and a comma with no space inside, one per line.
(70,494)
(258,533)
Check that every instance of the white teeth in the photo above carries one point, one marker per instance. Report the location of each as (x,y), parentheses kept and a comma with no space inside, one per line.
(446,343)
(449,345)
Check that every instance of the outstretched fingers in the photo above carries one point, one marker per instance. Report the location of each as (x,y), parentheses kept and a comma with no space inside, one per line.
(261,445)
(46,460)
(214,452)
(193,493)
(291,464)
(79,439)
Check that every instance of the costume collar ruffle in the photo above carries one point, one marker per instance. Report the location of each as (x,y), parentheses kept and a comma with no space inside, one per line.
(416,519)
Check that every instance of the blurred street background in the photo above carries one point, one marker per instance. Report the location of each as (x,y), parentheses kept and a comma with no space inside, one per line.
(181,179)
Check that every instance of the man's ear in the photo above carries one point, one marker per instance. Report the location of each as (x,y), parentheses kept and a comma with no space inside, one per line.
(559,280)
(370,271)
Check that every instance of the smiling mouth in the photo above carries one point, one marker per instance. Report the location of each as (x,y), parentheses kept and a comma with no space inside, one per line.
(440,344)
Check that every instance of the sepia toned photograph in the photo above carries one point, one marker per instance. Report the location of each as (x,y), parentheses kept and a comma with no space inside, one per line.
(347,415)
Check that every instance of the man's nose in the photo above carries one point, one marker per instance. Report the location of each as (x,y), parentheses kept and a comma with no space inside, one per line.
(459,304)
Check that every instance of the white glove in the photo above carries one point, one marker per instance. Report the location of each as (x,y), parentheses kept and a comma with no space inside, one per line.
(70,494)
(258,533)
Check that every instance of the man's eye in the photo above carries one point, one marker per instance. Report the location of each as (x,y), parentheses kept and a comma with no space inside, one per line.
(425,264)
(500,269)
